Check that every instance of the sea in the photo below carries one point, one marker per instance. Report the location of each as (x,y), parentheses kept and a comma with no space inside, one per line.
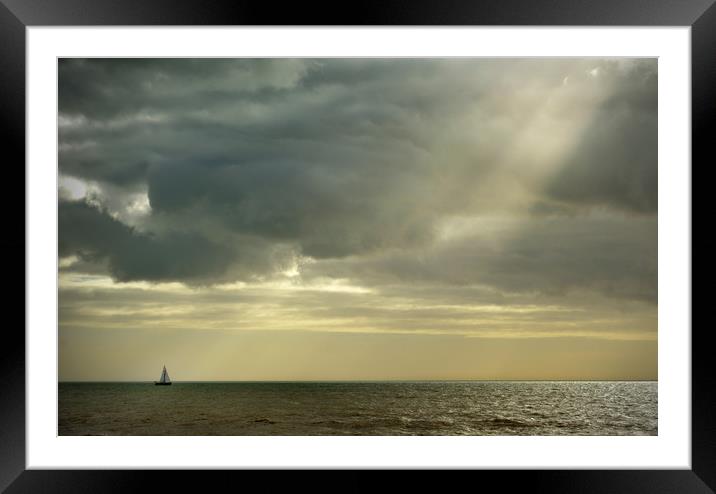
(502,408)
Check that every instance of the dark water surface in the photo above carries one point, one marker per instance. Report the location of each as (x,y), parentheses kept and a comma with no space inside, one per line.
(367,408)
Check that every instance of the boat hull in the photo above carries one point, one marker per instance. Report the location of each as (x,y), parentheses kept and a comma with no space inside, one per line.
(161,384)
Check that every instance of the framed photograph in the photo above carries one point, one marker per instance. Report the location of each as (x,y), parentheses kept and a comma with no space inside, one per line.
(450,237)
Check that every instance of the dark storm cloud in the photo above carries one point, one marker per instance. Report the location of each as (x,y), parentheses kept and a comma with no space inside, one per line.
(615,161)
(346,161)
(328,214)
(548,257)
(92,235)
(107,88)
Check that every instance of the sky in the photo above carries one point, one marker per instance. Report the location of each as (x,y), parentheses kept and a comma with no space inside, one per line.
(357,219)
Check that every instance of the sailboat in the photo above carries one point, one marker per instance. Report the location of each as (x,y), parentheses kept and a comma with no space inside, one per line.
(164,379)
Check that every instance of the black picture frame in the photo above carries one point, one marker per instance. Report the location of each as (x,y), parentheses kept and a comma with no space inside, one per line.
(16,15)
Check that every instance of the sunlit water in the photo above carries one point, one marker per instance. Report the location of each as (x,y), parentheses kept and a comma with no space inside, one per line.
(396,408)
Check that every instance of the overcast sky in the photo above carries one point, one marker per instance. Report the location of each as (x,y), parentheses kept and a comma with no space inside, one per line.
(358,218)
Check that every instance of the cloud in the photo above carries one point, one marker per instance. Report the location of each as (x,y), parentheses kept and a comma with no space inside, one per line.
(615,162)
(548,257)
(107,88)
(96,237)
(237,168)
(415,309)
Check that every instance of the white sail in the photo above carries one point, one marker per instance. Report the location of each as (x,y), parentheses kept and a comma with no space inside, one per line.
(165,376)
